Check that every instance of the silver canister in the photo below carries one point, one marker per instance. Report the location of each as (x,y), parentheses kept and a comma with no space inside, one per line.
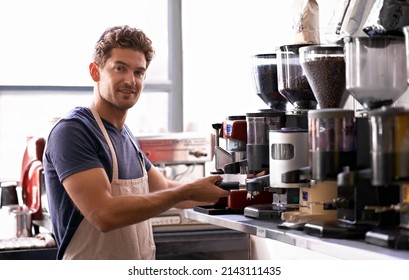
(22,222)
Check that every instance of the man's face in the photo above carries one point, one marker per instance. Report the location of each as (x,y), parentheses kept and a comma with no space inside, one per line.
(121,80)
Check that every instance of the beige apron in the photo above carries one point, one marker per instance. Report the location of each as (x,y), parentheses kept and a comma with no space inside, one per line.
(131,242)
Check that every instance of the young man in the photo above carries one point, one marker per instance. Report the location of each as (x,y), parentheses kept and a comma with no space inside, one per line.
(101,188)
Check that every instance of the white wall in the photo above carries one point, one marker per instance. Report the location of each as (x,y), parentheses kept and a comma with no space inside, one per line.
(219,38)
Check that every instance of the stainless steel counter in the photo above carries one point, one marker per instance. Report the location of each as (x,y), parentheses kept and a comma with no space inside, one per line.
(268,230)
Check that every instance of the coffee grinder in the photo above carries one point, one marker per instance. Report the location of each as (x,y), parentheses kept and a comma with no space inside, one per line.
(258,146)
(264,73)
(389,152)
(282,152)
(376,77)
(288,150)
(373,67)
(329,144)
(265,77)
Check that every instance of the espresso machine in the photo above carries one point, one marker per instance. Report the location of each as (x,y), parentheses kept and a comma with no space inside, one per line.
(232,158)
(244,163)
(179,155)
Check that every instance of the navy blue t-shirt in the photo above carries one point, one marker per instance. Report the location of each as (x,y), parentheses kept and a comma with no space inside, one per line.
(76,144)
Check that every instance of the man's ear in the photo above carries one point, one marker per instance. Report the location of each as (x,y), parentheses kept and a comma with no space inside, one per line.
(94,71)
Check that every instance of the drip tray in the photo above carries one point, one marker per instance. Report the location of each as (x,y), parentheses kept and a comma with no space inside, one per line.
(264,211)
(393,238)
(335,230)
(212,210)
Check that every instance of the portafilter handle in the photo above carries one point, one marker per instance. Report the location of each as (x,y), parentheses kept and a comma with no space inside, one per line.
(228,185)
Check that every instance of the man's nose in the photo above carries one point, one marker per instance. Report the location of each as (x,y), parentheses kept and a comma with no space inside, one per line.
(130,79)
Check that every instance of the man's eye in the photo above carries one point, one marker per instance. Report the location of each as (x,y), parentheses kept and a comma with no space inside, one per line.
(139,73)
(118,68)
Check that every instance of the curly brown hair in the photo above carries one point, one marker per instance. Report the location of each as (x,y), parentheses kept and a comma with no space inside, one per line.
(122,37)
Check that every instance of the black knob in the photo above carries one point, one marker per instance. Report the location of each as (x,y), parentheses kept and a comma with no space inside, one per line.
(217,125)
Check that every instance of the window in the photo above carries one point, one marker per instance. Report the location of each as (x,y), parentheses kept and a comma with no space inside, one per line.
(50,43)
(45,52)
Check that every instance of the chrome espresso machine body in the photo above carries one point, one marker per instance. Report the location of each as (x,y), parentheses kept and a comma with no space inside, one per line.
(182,157)
(244,162)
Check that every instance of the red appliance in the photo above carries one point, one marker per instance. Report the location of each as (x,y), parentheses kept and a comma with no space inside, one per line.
(30,181)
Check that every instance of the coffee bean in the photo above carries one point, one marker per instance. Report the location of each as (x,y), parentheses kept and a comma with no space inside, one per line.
(265,79)
(298,91)
(327,79)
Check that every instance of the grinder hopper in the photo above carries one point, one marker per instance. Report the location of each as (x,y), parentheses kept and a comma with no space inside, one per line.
(375,69)
(324,66)
(265,81)
(292,82)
